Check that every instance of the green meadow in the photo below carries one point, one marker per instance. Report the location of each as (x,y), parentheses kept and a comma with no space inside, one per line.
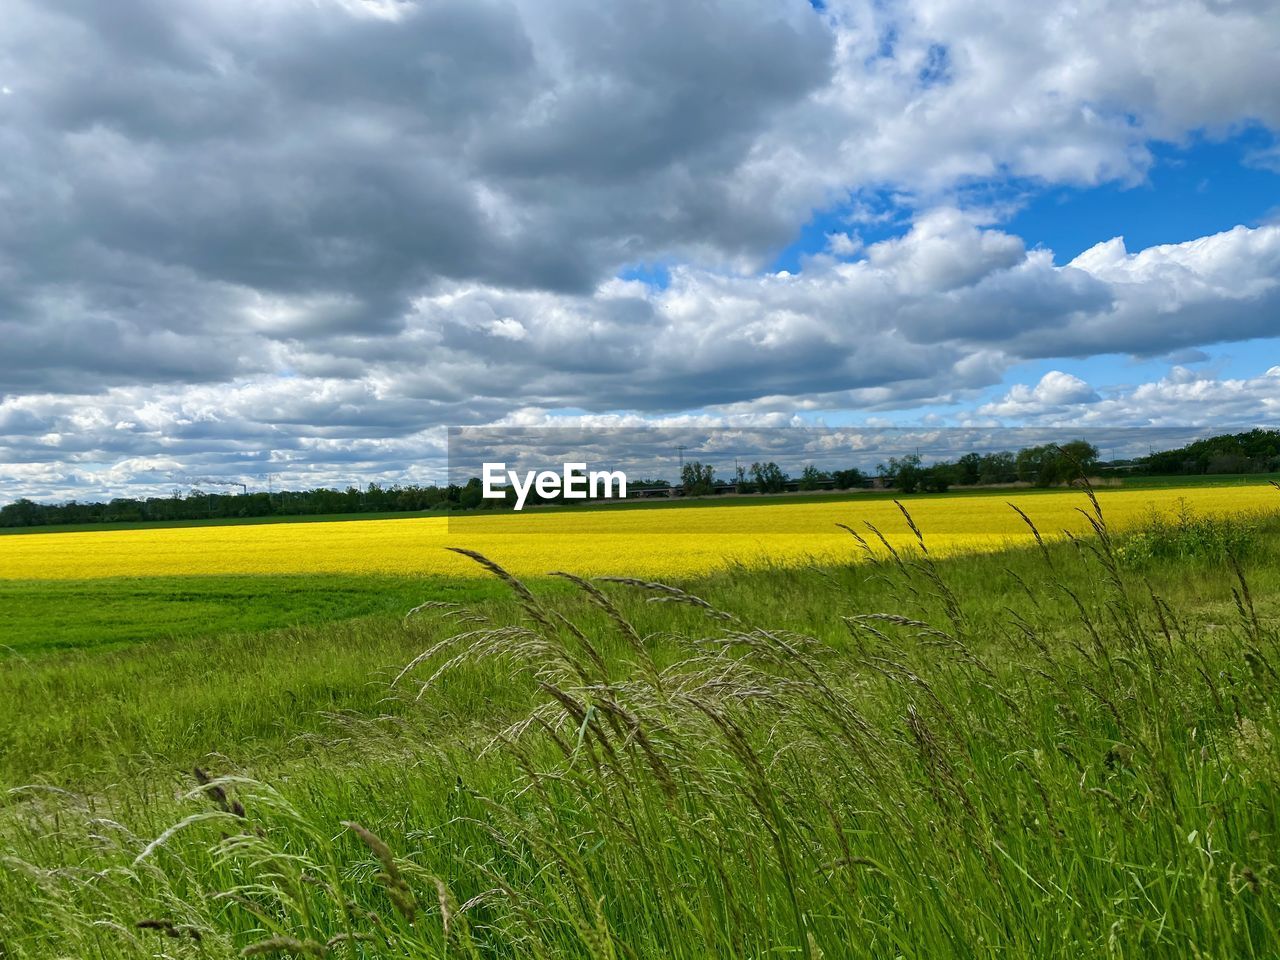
(1071,751)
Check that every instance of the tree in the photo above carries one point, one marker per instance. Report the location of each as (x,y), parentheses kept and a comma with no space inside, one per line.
(968,469)
(811,478)
(1080,458)
(1052,463)
(1037,465)
(698,479)
(22,513)
(768,477)
(936,479)
(998,468)
(904,473)
(471,495)
(852,477)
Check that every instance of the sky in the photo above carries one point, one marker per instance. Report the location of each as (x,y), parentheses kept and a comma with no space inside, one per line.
(300,238)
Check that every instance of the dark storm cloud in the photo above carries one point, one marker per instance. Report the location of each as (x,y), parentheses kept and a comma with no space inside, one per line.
(305,150)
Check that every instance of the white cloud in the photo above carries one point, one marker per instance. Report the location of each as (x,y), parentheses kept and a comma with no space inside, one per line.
(926,95)
(508,328)
(843,244)
(1055,390)
(234,228)
(931,317)
(944,308)
(1181,398)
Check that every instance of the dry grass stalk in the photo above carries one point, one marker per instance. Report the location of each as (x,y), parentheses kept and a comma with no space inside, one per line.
(175,931)
(673,595)
(397,887)
(218,794)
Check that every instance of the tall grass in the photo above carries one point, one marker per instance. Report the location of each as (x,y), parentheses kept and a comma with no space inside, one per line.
(1184,535)
(938,783)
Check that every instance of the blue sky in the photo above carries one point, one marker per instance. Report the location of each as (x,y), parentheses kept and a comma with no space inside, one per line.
(1191,189)
(305,241)
(1194,188)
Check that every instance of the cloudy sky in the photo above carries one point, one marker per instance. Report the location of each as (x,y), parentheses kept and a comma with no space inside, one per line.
(299,237)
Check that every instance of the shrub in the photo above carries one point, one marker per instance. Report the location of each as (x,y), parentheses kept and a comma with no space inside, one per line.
(1187,536)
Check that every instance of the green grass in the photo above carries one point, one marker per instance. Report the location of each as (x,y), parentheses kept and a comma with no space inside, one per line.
(38,616)
(1068,753)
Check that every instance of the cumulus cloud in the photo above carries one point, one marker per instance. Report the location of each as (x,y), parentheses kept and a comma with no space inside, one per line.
(318,432)
(1054,391)
(317,226)
(305,151)
(944,309)
(930,93)
(1181,398)
(931,317)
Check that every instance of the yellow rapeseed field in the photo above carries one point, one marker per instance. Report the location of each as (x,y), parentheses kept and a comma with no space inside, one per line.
(654,542)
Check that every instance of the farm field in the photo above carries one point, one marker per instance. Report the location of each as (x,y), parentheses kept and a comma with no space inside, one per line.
(729,502)
(103,587)
(814,756)
(637,542)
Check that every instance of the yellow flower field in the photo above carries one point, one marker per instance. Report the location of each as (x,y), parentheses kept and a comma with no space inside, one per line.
(641,542)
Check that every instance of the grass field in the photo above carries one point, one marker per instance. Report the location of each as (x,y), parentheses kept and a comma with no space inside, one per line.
(104,587)
(1048,751)
(44,615)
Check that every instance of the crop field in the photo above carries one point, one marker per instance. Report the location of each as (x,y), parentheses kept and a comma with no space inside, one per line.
(642,541)
(732,733)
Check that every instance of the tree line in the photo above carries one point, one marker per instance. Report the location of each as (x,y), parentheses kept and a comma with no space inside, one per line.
(200,505)
(1254,451)
(1047,465)
(1042,466)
